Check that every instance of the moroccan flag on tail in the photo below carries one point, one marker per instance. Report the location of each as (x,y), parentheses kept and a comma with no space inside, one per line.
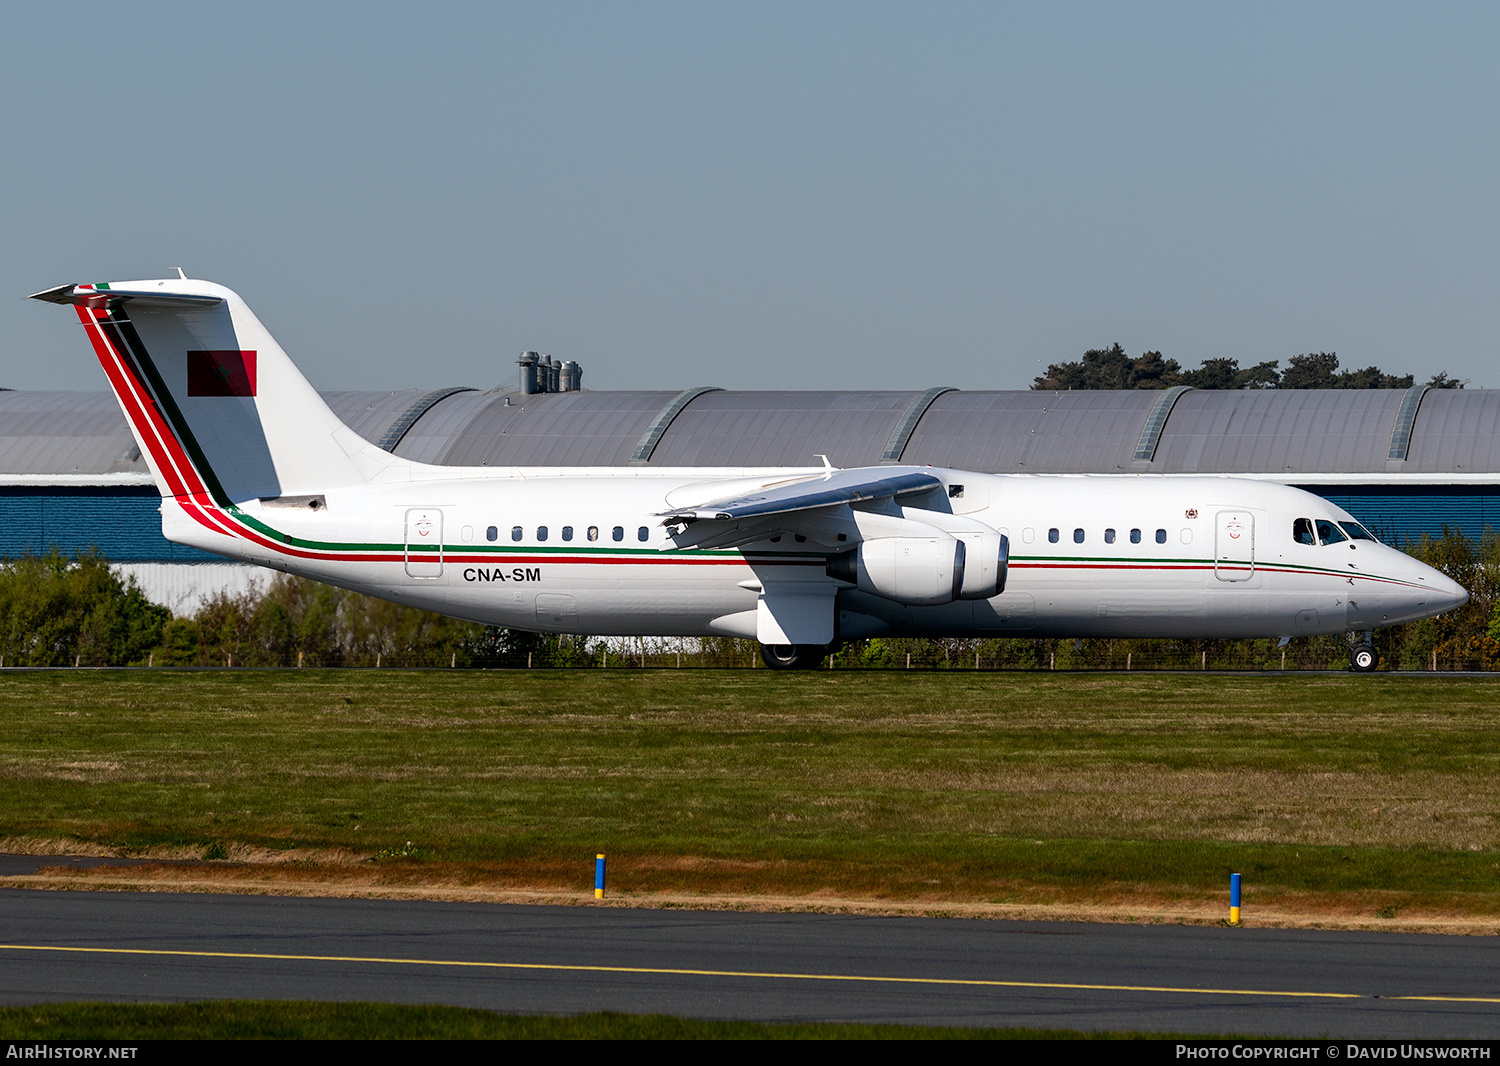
(221,373)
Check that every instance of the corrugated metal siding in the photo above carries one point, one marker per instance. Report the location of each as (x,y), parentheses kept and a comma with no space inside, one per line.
(1395,513)
(1032,432)
(545,429)
(782,429)
(183,588)
(1275,432)
(121,524)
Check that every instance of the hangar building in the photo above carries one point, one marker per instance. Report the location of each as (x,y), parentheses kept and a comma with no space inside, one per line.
(1404,462)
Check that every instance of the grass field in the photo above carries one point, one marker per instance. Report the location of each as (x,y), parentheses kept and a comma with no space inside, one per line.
(1371,795)
(238,1020)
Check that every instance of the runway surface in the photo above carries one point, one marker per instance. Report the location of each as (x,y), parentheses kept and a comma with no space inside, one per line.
(149,947)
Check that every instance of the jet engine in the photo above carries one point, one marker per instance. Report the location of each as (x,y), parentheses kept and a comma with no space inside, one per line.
(920,570)
(986,559)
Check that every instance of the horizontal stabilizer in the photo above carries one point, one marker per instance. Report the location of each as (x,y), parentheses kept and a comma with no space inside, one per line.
(103,295)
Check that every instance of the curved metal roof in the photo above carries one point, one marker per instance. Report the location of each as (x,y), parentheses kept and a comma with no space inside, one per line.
(83,437)
(1293,434)
(65,433)
(781,429)
(1457,430)
(371,414)
(1281,432)
(1032,432)
(540,429)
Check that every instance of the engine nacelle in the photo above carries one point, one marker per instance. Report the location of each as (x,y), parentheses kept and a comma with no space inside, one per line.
(921,570)
(986,559)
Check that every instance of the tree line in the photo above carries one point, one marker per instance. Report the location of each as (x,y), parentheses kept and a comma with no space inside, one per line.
(1112,368)
(60,611)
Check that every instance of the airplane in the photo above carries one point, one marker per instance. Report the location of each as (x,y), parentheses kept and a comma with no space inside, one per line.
(253,465)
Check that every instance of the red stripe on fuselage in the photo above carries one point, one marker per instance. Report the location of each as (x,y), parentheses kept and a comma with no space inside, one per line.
(1267,568)
(569,560)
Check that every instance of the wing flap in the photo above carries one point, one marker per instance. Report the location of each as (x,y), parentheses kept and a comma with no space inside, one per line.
(859,485)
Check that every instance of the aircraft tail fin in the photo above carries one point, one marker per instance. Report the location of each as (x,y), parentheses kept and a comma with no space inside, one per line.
(219,410)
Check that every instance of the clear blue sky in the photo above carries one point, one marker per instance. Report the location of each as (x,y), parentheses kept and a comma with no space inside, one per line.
(763,195)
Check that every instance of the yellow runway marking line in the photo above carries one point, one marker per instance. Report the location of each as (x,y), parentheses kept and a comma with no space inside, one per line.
(1449,999)
(867,978)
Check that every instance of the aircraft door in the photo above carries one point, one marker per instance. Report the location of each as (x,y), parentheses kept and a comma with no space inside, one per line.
(424,542)
(1234,546)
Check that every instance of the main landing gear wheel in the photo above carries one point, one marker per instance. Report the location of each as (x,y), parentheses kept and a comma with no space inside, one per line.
(792,656)
(1363,659)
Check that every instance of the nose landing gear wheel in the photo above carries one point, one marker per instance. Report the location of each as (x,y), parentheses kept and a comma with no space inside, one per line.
(1363,659)
(792,656)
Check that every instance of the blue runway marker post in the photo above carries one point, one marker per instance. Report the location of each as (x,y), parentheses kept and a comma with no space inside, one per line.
(599,876)
(1234,893)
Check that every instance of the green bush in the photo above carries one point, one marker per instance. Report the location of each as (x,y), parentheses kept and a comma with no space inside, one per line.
(61,612)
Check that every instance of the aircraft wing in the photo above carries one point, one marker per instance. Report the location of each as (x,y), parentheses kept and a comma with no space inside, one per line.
(797,505)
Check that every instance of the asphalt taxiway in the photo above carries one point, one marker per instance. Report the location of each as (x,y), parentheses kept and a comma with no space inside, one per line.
(160,947)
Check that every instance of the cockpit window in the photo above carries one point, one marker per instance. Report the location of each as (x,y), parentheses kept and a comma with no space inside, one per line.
(1357,531)
(1302,531)
(1329,532)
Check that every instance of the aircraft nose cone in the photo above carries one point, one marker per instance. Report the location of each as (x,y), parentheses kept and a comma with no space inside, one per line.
(1447,594)
(1441,593)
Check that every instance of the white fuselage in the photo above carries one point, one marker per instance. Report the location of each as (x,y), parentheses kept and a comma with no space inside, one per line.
(585,551)
(253,465)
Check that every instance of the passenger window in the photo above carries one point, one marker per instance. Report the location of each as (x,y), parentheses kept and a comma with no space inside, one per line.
(1329,532)
(1077,536)
(541,533)
(1109,536)
(618,532)
(1052,536)
(567,532)
(1028,535)
(1135,536)
(1161,536)
(492,533)
(642,534)
(1187,536)
(515,532)
(1302,531)
(593,532)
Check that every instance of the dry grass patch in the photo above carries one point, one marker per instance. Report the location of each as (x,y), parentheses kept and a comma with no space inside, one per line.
(882,786)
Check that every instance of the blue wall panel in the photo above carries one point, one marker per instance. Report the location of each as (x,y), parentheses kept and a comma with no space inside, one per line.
(124,525)
(1398,513)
